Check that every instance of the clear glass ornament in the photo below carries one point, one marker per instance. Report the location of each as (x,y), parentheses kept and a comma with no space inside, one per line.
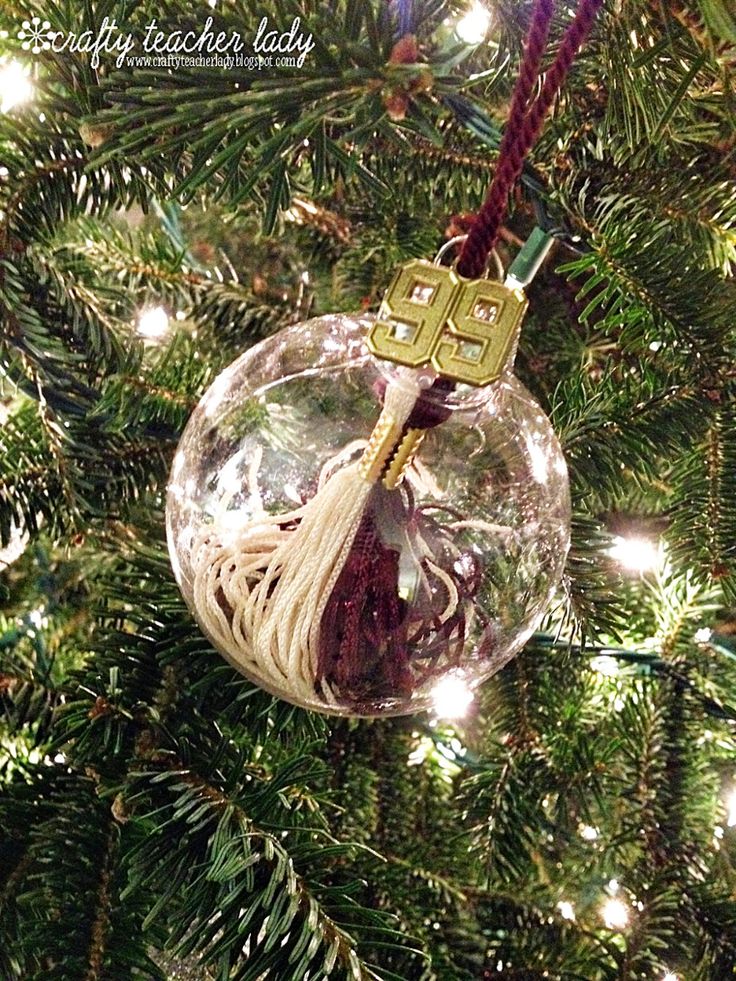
(456,569)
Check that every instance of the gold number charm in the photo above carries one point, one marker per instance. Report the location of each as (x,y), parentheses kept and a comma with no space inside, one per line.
(465,328)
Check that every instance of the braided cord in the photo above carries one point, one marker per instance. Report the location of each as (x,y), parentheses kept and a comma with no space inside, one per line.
(524,125)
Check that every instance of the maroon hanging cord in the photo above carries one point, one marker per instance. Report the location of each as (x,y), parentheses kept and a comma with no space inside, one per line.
(531,62)
(524,125)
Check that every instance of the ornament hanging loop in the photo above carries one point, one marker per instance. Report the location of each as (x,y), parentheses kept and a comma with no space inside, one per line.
(493,258)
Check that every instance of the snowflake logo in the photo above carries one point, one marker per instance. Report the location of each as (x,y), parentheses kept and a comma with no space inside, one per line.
(35,35)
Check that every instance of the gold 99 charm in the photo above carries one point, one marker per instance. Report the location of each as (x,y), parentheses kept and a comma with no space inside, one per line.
(465,328)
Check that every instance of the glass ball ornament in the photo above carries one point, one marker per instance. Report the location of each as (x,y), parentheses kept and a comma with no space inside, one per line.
(444,576)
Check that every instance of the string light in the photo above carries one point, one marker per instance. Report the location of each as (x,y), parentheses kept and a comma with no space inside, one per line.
(473,27)
(15,86)
(37,618)
(703,636)
(635,554)
(615,914)
(669,976)
(567,910)
(153,322)
(588,832)
(451,697)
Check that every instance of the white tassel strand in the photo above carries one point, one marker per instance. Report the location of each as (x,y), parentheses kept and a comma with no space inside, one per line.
(261,590)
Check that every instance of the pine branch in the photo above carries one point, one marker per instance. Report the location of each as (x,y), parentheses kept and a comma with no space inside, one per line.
(101,922)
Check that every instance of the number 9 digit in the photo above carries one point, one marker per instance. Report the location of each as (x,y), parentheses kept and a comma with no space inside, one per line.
(481,332)
(413,314)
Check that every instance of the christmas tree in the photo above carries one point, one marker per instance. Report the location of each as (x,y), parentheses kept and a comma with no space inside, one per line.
(179,181)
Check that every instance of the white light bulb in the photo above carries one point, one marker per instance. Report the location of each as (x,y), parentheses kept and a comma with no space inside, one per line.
(567,910)
(588,833)
(635,554)
(615,914)
(703,636)
(473,27)
(451,697)
(731,806)
(669,976)
(15,86)
(153,322)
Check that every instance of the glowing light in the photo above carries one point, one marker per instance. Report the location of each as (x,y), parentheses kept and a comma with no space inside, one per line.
(567,910)
(588,832)
(36,617)
(451,697)
(731,806)
(669,976)
(635,554)
(473,27)
(605,665)
(615,914)
(15,86)
(703,636)
(153,322)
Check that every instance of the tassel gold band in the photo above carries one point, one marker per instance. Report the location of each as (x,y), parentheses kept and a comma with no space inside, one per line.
(381,445)
(388,453)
